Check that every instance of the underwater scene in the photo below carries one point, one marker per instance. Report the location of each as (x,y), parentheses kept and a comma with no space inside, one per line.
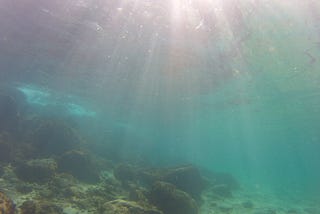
(159,107)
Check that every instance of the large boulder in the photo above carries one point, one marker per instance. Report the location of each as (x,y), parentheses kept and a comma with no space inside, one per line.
(1,171)
(9,112)
(6,204)
(171,200)
(127,207)
(13,150)
(80,165)
(6,151)
(226,179)
(222,185)
(186,178)
(37,170)
(54,137)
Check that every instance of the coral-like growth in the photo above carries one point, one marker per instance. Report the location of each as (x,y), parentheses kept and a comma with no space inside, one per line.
(6,204)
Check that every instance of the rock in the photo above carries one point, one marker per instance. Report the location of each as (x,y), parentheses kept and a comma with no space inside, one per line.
(80,165)
(171,200)
(265,211)
(6,151)
(63,185)
(221,191)
(186,178)
(222,185)
(24,187)
(225,179)
(1,171)
(247,204)
(312,210)
(6,204)
(11,149)
(127,207)
(225,209)
(9,113)
(138,194)
(125,173)
(292,211)
(40,207)
(37,170)
(54,138)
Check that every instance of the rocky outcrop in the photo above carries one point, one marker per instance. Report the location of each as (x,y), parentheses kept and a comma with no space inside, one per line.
(9,113)
(186,178)
(40,207)
(1,171)
(127,207)
(54,137)
(171,200)
(125,173)
(80,165)
(37,170)
(6,151)
(6,204)
(222,185)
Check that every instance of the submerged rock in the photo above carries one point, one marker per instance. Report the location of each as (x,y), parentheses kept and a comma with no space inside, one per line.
(54,138)
(171,200)
(125,173)
(37,170)
(265,211)
(137,193)
(127,207)
(222,185)
(40,207)
(80,165)
(225,179)
(1,171)
(6,204)
(186,178)
(248,204)
(221,191)
(6,151)
(63,185)
(9,112)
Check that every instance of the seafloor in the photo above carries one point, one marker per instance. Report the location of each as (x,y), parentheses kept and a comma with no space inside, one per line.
(48,167)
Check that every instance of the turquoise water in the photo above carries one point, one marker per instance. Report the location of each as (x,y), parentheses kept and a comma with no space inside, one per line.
(231,86)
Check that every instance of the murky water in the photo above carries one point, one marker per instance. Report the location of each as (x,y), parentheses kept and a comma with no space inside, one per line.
(230,86)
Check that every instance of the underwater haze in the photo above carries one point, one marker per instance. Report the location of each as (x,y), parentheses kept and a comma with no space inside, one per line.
(227,86)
